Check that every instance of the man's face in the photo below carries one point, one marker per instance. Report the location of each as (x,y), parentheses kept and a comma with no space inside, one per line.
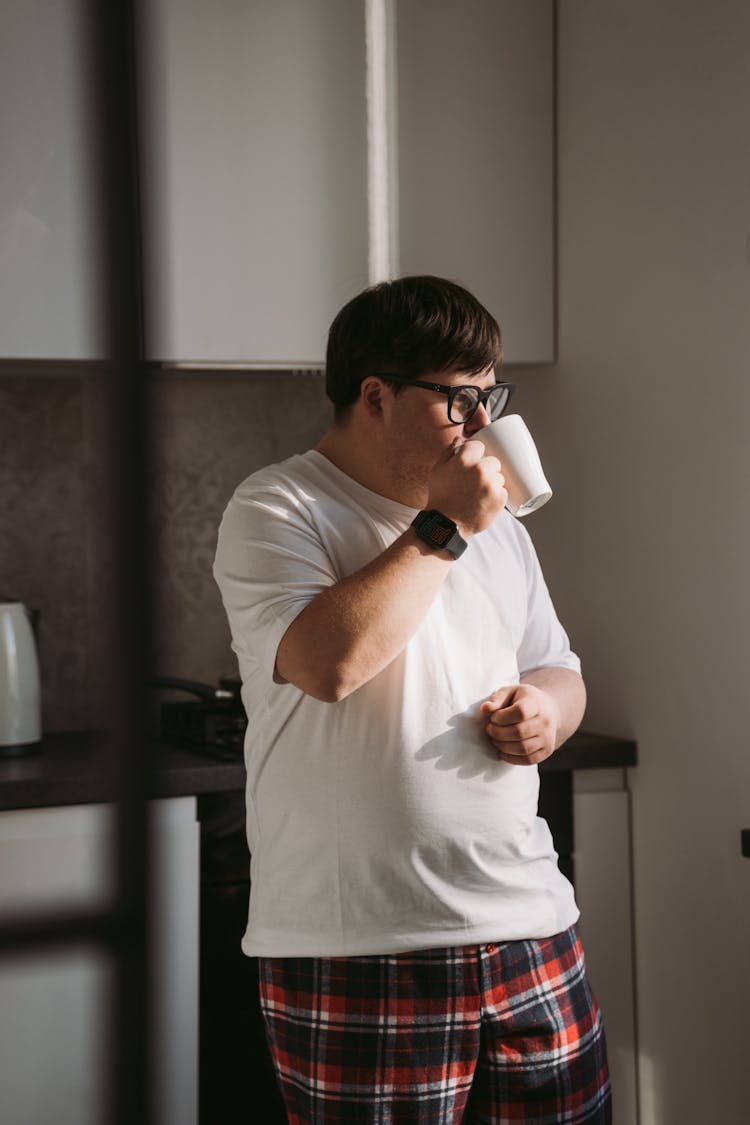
(418,430)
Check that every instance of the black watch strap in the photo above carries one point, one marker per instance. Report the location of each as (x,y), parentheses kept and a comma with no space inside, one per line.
(439,532)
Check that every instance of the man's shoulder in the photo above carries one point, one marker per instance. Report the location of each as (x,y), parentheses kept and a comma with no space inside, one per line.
(288,475)
(305,486)
(278,492)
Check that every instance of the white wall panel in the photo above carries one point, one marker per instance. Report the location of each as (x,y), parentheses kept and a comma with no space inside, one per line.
(475,97)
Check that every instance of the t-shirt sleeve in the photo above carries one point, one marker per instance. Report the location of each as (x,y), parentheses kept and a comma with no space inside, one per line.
(270,563)
(545,643)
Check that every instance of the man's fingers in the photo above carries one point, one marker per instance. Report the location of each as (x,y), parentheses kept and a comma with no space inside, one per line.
(514,742)
(499,700)
(513,716)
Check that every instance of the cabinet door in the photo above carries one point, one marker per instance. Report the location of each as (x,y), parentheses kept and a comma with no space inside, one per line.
(47,258)
(603,892)
(55,1012)
(255,176)
(475,157)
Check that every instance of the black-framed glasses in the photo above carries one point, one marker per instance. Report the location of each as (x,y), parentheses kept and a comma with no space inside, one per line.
(463,400)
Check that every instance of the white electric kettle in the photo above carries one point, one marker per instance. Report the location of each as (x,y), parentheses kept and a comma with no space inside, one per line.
(20,702)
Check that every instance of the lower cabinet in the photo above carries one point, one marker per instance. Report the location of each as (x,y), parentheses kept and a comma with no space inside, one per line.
(601,810)
(54,1007)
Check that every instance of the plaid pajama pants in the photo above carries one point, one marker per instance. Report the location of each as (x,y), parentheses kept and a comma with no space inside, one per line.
(483,1034)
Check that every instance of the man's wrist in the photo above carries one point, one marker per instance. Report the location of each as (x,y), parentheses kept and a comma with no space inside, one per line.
(439,532)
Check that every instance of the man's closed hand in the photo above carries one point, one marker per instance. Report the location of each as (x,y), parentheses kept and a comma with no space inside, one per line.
(521,722)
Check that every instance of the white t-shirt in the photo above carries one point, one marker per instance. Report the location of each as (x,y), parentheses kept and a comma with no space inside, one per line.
(384,822)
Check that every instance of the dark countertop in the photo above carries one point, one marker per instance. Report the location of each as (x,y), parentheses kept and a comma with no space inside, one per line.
(589,751)
(70,769)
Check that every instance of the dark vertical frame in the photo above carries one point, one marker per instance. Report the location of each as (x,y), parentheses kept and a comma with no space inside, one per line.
(115,132)
(122,930)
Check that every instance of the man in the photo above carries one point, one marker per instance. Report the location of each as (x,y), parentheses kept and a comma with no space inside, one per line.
(404,672)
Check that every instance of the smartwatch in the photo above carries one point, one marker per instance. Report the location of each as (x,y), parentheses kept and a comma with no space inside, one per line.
(438,532)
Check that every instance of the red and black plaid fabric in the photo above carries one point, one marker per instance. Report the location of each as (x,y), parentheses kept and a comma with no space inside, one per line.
(482,1034)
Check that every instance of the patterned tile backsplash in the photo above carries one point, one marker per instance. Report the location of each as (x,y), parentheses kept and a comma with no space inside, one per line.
(44,531)
(210,432)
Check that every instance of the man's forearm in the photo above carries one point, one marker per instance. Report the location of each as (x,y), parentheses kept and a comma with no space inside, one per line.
(569,692)
(354,629)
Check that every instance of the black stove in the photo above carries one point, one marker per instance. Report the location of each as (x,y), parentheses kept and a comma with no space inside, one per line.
(214,723)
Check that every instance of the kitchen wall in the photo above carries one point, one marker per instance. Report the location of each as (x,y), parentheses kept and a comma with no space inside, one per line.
(210,431)
(644,425)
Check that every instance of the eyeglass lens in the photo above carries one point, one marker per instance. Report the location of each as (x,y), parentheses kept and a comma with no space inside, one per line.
(466,400)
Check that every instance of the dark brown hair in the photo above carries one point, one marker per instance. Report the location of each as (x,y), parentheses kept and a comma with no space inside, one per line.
(410,327)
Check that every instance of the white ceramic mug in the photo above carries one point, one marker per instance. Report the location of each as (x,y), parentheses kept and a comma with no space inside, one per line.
(509,440)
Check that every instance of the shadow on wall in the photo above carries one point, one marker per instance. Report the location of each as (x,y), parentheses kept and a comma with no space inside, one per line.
(210,432)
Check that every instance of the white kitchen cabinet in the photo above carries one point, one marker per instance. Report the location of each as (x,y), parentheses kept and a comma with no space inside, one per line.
(281,177)
(475,158)
(255,176)
(47,251)
(604,894)
(54,1014)
(262,200)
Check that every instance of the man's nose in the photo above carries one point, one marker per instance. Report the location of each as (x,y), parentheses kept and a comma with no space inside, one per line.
(479,419)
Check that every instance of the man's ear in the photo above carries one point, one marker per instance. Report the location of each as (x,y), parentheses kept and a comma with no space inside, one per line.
(371,395)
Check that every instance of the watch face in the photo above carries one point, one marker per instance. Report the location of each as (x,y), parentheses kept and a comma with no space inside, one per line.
(440,530)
